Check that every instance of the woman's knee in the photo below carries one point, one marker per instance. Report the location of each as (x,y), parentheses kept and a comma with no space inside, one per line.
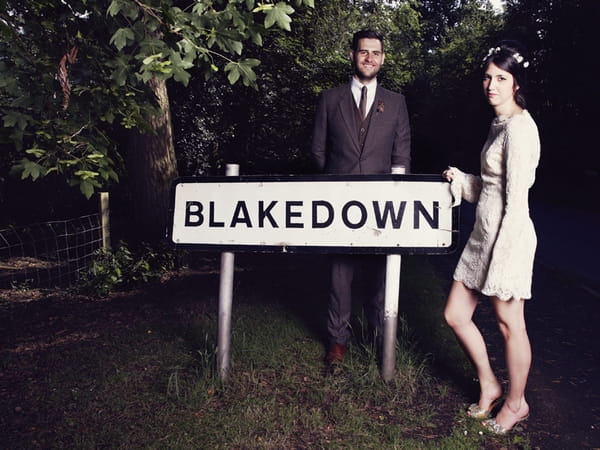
(460,306)
(456,317)
(511,318)
(514,329)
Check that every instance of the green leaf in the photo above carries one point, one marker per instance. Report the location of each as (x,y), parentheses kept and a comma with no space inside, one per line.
(234,72)
(125,7)
(145,76)
(67,162)
(108,174)
(37,152)
(242,69)
(181,75)
(279,15)
(230,40)
(95,156)
(235,46)
(108,116)
(263,7)
(86,188)
(31,169)
(189,53)
(15,119)
(122,67)
(250,62)
(122,37)
(86,174)
(114,8)
(150,59)
(256,38)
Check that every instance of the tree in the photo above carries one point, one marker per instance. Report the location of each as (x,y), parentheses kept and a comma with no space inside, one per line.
(74,73)
(561,39)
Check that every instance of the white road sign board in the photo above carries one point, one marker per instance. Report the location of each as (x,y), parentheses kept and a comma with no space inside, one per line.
(321,213)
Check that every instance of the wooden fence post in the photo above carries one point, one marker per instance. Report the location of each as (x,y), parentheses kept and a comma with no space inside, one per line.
(104,220)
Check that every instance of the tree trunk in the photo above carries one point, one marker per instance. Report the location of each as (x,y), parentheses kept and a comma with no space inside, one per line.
(151,167)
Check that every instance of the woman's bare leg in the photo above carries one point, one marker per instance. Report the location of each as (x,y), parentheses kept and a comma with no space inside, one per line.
(460,307)
(511,320)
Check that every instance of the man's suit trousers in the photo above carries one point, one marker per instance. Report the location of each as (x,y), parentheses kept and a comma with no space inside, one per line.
(364,276)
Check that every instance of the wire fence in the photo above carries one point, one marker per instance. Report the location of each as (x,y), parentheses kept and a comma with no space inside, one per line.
(48,254)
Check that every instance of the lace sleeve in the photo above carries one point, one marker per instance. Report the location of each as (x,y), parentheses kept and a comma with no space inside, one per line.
(465,185)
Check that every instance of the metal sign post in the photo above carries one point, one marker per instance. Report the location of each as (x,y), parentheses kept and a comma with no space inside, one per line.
(225,301)
(390,316)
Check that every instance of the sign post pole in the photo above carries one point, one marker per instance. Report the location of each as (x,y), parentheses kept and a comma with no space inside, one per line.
(225,300)
(390,317)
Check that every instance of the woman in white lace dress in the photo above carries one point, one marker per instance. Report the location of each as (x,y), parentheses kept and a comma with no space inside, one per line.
(498,258)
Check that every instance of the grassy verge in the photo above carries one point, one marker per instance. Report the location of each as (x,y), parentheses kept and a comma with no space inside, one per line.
(137,370)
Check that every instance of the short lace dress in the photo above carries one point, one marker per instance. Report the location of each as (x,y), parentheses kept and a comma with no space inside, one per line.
(498,257)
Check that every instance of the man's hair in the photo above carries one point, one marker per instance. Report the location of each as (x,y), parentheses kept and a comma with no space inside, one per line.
(366,34)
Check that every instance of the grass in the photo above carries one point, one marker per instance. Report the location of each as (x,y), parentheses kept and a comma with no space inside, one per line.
(137,370)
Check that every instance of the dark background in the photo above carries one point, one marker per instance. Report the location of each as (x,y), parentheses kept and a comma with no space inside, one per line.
(435,63)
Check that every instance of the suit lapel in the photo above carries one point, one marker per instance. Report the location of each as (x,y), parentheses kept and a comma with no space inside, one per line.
(346,106)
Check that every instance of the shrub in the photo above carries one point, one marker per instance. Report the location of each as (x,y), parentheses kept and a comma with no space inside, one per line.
(124,268)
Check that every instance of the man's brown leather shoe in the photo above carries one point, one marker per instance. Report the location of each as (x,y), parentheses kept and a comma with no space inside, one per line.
(336,354)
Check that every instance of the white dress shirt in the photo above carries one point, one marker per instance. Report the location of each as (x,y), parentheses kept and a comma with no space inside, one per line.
(371,90)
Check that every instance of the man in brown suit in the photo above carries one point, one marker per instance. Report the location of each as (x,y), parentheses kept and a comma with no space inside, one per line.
(359,128)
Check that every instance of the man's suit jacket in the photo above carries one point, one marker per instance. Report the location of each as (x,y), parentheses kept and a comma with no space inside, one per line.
(335,144)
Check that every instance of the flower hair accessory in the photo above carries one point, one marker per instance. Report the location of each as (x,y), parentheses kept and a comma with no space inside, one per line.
(517,56)
(492,51)
(520,60)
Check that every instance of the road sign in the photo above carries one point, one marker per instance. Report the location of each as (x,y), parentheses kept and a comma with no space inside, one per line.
(403,214)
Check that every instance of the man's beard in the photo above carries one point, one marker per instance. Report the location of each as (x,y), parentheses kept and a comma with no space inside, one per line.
(362,76)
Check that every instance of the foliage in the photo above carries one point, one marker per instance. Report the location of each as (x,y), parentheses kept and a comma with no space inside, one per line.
(268,130)
(51,131)
(168,40)
(125,268)
(73,72)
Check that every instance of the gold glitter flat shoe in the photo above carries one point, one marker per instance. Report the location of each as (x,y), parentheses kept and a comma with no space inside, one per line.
(476,412)
(494,427)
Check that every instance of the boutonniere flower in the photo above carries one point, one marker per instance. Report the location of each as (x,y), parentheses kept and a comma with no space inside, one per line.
(380,106)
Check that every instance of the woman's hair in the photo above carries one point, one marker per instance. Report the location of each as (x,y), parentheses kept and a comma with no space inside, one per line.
(511,57)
